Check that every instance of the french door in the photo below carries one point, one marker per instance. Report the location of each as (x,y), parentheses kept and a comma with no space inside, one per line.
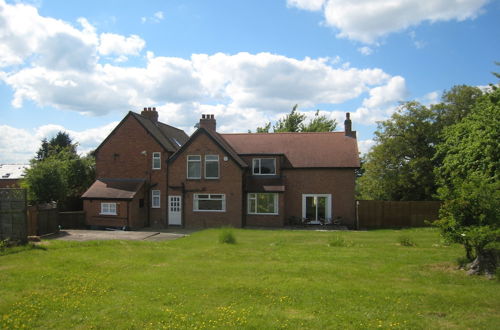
(317,208)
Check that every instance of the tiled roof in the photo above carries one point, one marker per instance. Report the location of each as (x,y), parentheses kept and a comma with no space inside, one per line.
(328,149)
(169,137)
(216,137)
(114,189)
(13,171)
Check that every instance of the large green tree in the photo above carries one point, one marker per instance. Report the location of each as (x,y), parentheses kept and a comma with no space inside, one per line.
(469,184)
(59,174)
(399,166)
(295,122)
(62,141)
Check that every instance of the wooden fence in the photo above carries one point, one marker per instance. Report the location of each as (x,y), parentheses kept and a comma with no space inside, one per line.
(72,220)
(43,219)
(392,214)
(13,224)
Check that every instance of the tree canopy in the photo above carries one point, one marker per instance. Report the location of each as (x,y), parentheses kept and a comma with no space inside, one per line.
(59,174)
(295,122)
(469,184)
(400,165)
(61,141)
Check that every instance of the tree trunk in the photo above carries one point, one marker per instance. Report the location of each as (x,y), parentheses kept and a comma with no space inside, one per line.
(485,263)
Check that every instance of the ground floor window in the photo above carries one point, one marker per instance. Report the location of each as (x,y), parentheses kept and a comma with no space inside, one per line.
(317,207)
(155,199)
(209,202)
(262,203)
(108,208)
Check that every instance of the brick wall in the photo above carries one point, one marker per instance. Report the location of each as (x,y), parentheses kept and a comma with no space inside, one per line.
(230,183)
(123,156)
(337,182)
(94,218)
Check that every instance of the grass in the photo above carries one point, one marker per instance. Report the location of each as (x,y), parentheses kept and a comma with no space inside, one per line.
(269,279)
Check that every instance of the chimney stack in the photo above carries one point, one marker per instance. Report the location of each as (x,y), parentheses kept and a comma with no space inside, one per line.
(348,126)
(151,114)
(208,122)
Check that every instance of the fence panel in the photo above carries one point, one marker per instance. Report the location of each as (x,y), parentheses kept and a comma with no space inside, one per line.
(72,220)
(13,220)
(391,214)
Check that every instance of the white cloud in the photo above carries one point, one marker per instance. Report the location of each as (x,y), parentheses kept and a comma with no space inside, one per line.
(312,5)
(368,20)
(156,18)
(243,90)
(365,50)
(159,15)
(20,145)
(116,44)
(365,145)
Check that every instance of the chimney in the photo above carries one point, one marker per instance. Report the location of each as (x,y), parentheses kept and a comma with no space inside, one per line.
(208,122)
(151,114)
(348,126)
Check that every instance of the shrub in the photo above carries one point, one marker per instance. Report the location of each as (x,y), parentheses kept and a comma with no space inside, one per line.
(226,236)
(405,240)
(339,241)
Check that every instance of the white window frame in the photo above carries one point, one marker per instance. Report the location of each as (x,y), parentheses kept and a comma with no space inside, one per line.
(196,205)
(156,157)
(212,161)
(253,196)
(188,160)
(155,199)
(328,205)
(260,168)
(106,209)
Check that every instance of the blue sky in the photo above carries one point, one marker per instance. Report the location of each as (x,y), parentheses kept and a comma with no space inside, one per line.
(81,66)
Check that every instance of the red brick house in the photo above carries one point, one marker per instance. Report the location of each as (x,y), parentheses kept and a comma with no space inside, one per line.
(213,179)
(131,169)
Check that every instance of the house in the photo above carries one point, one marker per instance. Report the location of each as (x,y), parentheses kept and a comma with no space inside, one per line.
(212,179)
(131,170)
(262,179)
(11,175)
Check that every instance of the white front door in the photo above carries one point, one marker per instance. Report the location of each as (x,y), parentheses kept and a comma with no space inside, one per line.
(317,208)
(174,210)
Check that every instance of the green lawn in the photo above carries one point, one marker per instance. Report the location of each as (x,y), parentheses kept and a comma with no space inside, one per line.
(269,279)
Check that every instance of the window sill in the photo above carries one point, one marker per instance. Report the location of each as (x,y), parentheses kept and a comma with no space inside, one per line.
(213,211)
(109,214)
(263,214)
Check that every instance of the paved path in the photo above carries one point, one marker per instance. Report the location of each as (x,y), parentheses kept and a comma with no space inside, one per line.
(89,235)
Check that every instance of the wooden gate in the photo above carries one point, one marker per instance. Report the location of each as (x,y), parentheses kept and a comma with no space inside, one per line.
(13,219)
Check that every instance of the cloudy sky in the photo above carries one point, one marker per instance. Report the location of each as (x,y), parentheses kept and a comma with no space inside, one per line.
(80,66)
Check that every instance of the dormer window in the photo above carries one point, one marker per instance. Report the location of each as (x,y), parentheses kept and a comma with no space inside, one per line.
(156,160)
(264,166)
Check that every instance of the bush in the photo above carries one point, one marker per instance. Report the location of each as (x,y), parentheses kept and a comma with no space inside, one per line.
(405,240)
(226,236)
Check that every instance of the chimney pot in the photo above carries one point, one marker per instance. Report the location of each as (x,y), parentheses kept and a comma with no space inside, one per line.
(151,114)
(207,121)
(348,126)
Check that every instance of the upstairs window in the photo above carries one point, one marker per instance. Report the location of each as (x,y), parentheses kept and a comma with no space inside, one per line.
(156,160)
(108,208)
(211,166)
(194,167)
(264,166)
